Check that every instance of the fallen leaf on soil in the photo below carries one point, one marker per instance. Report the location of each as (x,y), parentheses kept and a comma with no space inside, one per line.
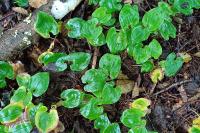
(135,91)
(20,10)
(18,67)
(124,83)
(197,54)
(186,57)
(37,3)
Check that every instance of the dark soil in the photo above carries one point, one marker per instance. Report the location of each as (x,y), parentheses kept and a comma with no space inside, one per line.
(171,111)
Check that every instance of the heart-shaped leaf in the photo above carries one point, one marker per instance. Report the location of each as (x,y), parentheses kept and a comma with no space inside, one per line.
(74,26)
(95,79)
(111,5)
(114,94)
(172,64)
(112,128)
(11,113)
(141,103)
(155,49)
(153,19)
(21,95)
(111,64)
(139,34)
(45,24)
(91,110)
(24,127)
(183,6)
(167,29)
(157,75)
(39,83)
(46,122)
(147,66)
(116,41)
(101,122)
(129,16)
(102,15)
(72,98)
(23,79)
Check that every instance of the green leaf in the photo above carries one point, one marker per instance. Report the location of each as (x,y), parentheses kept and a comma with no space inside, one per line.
(102,15)
(116,41)
(172,64)
(140,129)
(132,118)
(74,26)
(3,129)
(139,34)
(91,30)
(95,2)
(195,4)
(98,41)
(6,71)
(45,24)
(147,66)
(21,95)
(166,8)
(91,110)
(95,79)
(167,30)
(11,113)
(24,127)
(112,128)
(101,122)
(72,98)
(194,129)
(129,16)
(46,122)
(39,83)
(80,60)
(153,19)
(155,49)
(111,64)
(140,54)
(111,5)
(23,79)
(141,103)
(183,6)
(114,94)
(21,3)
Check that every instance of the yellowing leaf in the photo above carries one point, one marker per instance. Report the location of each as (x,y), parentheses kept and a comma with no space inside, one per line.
(141,103)
(186,57)
(157,75)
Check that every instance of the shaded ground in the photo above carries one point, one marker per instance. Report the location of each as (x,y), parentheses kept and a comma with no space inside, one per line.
(171,111)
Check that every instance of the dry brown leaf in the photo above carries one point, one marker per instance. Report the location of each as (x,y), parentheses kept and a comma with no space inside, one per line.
(20,10)
(135,91)
(197,54)
(37,3)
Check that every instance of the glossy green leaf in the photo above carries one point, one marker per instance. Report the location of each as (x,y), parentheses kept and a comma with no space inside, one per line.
(129,16)
(91,110)
(112,128)
(11,113)
(167,30)
(80,60)
(39,83)
(101,40)
(195,4)
(45,24)
(153,19)
(111,64)
(101,122)
(74,27)
(6,71)
(46,122)
(139,34)
(91,30)
(95,80)
(21,3)
(172,64)
(116,41)
(140,129)
(102,15)
(141,103)
(194,129)
(3,129)
(114,94)
(111,5)
(140,54)
(166,8)
(21,95)
(183,6)
(23,79)
(147,66)
(132,118)
(71,98)
(24,127)
(155,49)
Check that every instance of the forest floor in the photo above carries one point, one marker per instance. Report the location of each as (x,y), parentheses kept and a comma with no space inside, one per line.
(172,110)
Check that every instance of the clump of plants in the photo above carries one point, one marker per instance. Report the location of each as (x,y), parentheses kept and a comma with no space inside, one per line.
(126,34)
